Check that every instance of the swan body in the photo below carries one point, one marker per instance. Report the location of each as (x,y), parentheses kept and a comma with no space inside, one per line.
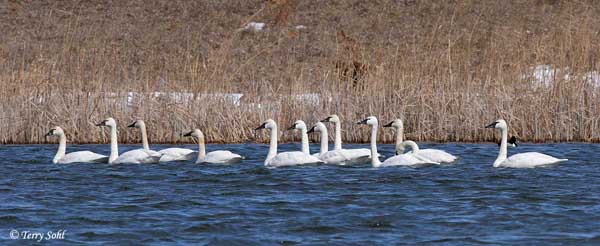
(214,157)
(176,154)
(522,160)
(167,155)
(335,157)
(408,159)
(74,157)
(291,158)
(434,155)
(413,158)
(137,156)
(355,156)
(437,155)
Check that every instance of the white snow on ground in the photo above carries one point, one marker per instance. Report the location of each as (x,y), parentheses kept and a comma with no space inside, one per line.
(593,78)
(254,26)
(184,97)
(308,98)
(545,75)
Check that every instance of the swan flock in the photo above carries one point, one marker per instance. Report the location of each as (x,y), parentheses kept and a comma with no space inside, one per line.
(337,156)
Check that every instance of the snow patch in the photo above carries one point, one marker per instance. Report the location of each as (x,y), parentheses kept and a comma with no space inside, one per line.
(593,78)
(545,75)
(255,26)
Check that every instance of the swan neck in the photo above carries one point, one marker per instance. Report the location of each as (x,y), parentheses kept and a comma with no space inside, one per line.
(114,148)
(324,141)
(305,147)
(337,144)
(62,149)
(503,147)
(399,139)
(413,146)
(201,149)
(272,144)
(374,156)
(144,138)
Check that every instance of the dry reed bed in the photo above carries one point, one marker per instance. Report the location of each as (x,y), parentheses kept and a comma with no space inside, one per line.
(447,67)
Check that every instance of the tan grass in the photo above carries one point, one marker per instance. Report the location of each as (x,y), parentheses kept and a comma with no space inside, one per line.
(447,67)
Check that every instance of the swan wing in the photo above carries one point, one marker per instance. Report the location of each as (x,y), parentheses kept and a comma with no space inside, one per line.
(138,156)
(407,159)
(176,154)
(529,160)
(292,158)
(221,157)
(356,156)
(82,157)
(437,155)
(336,157)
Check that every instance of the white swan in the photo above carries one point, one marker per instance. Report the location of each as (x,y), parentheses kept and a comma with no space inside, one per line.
(434,155)
(169,154)
(356,156)
(413,158)
(215,157)
(522,160)
(137,156)
(73,157)
(300,125)
(337,157)
(286,158)
(407,159)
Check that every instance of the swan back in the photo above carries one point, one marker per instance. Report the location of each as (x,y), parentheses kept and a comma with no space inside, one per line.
(528,160)
(292,158)
(138,156)
(220,157)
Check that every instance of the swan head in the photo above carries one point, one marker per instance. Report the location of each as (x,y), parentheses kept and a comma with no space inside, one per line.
(396,124)
(55,131)
(196,133)
(137,124)
(371,120)
(268,124)
(108,122)
(332,118)
(298,125)
(499,124)
(319,127)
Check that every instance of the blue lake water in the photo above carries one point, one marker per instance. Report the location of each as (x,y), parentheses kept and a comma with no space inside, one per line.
(467,203)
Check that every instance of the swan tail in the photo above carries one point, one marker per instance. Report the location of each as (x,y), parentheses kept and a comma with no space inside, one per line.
(101,160)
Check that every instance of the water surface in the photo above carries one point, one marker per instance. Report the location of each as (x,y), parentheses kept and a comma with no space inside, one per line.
(468,203)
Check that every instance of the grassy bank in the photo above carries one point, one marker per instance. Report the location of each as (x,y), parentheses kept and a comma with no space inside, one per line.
(448,67)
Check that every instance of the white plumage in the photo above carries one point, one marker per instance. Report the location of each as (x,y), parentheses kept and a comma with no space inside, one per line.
(74,157)
(523,160)
(340,156)
(138,156)
(354,156)
(434,155)
(214,157)
(176,154)
(291,158)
